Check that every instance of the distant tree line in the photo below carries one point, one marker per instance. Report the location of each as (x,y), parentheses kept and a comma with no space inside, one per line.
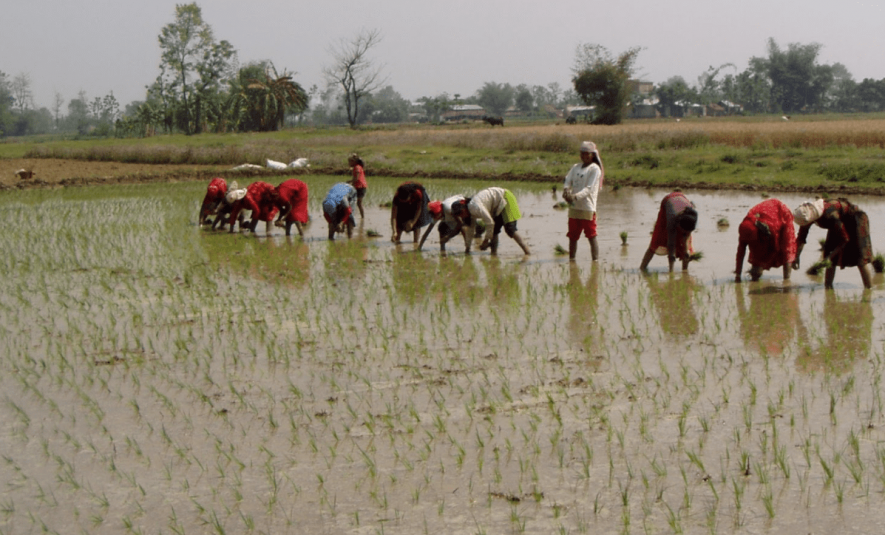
(202,88)
(789,81)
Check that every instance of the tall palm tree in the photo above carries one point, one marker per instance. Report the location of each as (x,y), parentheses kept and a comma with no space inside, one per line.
(264,96)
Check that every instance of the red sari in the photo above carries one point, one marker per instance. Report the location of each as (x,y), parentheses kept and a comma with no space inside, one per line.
(768,232)
(259,199)
(667,232)
(293,193)
(215,193)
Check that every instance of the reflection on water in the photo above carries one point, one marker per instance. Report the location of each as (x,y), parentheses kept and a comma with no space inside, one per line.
(502,284)
(357,387)
(849,329)
(583,297)
(673,295)
(413,275)
(771,320)
(282,260)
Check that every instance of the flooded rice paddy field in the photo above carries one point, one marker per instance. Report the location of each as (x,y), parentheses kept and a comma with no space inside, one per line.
(160,378)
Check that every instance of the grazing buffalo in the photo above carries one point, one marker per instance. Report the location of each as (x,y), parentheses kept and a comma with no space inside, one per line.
(571,119)
(493,120)
(24,174)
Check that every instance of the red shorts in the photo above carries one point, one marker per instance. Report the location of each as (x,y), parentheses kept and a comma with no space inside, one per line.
(576,226)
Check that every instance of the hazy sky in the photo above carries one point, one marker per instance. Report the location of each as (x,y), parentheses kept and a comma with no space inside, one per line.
(430,46)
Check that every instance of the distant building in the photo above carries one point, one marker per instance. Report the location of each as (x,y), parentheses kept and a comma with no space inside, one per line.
(642,88)
(715,110)
(463,112)
(731,107)
(646,108)
(580,113)
(683,108)
(550,111)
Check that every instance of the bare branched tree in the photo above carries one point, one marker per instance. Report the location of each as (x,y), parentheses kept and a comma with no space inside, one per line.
(354,72)
(22,93)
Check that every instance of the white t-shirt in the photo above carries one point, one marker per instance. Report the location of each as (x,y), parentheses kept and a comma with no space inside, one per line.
(583,182)
(447,208)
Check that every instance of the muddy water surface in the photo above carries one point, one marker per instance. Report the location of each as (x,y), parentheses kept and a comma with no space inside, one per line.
(161,378)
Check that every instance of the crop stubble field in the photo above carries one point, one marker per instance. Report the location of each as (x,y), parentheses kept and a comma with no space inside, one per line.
(158,378)
(826,153)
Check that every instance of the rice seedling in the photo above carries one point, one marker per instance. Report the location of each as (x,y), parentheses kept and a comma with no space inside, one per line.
(722,222)
(879,263)
(819,266)
(234,380)
(623,236)
(559,250)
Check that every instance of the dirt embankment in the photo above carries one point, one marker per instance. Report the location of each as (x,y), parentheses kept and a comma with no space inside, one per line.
(57,173)
(51,173)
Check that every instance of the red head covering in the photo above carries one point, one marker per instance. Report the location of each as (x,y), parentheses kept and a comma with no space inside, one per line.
(747,232)
(435,208)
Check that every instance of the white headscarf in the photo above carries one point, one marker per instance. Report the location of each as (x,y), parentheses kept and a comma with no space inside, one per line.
(589,146)
(234,195)
(808,212)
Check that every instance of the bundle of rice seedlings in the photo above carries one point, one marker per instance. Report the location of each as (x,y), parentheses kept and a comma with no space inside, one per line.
(560,205)
(623,237)
(695,256)
(722,223)
(371,233)
(559,250)
(879,263)
(819,266)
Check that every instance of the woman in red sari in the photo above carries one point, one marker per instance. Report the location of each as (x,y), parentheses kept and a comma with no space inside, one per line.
(261,198)
(676,221)
(214,195)
(292,202)
(848,236)
(769,234)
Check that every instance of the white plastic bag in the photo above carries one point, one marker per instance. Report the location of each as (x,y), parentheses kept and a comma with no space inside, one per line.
(246,167)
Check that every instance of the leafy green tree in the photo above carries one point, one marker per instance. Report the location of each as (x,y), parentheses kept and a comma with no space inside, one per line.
(434,107)
(386,106)
(354,72)
(264,96)
(6,102)
(798,82)
(541,96)
(195,61)
(753,88)
(842,92)
(871,95)
(78,114)
(105,112)
(161,100)
(600,79)
(525,101)
(672,94)
(495,98)
(709,87)
(555,93)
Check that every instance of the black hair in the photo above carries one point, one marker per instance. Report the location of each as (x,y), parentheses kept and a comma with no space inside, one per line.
(688,219)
